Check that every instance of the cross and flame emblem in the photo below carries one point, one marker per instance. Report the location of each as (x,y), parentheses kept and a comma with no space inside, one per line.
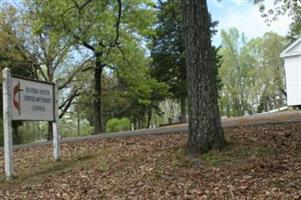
(17,97)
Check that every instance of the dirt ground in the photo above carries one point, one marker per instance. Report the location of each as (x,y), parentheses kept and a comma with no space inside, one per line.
(260,162)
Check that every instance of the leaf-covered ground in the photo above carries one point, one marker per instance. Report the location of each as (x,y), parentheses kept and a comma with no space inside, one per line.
(260,162)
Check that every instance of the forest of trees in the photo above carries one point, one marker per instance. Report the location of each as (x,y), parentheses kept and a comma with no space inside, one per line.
(252,73)
(117,62)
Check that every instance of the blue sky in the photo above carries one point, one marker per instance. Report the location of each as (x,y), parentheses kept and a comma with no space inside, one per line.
(245,16)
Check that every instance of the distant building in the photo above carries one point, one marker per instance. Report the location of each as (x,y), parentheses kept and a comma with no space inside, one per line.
(292,64)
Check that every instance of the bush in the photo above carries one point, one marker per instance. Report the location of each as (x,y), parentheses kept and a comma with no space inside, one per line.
(30,132)
(117,125)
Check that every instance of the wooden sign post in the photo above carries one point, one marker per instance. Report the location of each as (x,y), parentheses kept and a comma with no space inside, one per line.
(56,135)
(27,99)
(7,123)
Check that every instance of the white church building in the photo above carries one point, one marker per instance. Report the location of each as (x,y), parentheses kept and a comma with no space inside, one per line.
(292,65)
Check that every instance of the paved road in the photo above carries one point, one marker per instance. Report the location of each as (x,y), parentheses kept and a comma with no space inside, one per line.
(272,118)
(281,117)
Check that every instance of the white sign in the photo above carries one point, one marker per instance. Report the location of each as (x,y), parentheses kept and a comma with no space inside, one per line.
(25,99)
(32,100)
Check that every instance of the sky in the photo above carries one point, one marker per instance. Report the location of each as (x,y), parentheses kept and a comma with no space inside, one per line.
(246,17)
(241,14)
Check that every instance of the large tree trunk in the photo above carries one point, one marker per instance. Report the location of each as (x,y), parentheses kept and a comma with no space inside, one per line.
(183,110)
(205,131)
(98,121)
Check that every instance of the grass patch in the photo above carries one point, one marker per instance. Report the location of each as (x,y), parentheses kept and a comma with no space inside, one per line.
(212,158)
(103,167)
(235,154)
(180,159)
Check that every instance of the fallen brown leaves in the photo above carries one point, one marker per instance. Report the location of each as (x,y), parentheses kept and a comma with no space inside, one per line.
(260,162)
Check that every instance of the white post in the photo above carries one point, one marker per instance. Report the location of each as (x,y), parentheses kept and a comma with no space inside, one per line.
(55,124)
(7,123)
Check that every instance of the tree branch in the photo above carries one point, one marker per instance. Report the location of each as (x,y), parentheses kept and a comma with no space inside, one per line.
(60,55)
(79,8)
(76,37)
(75,72)
(87,45)
(118,20)
(68,102)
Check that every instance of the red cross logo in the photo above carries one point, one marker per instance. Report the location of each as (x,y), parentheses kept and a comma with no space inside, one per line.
(17,101)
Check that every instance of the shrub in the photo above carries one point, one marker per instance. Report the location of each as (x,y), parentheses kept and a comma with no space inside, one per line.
(116,125)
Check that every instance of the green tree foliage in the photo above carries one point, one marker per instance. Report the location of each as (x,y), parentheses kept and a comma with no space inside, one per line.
(168,51)
(295,26)
(252,73)
(52,51)
(128,91)
(46,50)
(142,91)
(99,26)
(117,125)
(233,72)
(13,52)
